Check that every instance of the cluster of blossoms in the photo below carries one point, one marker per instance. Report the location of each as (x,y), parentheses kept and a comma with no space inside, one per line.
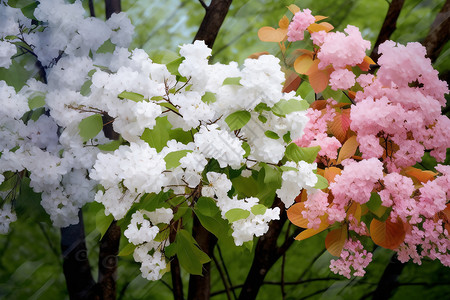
(393,119)
(183,129)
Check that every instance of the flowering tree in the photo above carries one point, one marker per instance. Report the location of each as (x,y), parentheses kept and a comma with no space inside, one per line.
(186,151)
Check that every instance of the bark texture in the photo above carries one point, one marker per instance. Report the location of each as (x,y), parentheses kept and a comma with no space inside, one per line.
(112,6)
(389,280)
(439,33)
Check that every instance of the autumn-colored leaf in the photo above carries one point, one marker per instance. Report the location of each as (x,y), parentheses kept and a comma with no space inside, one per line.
(293,8)
(258,54)
(283,23)
(365,65)
(311,231)
(351,94)
(387,234)
(348,149)
(303,51)
(445,215)
(318,78)
(303,63)
(320,18)
(420,175)
(294,214)
(330,173)
(269,34)
(318,104)
(355,211)
(335,240)
(292,82)
(302,196)
(316,27)
(340,124)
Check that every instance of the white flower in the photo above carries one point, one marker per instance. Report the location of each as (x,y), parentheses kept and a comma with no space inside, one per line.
(219,185)
(140,230)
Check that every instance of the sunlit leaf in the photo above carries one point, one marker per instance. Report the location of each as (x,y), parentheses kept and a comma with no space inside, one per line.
(284,107)
(296,153)
(232,81)
(131,96)
(348,149)
(293,8)
(387,234)
(322,183)
(283,23)
(316,27)
(420,175)
(331,172)
(365,65)
(258,209)
(172,159)
(335,240)
(320,18)
(270,34)
(294,214)
(90,127)
(236,214)
(340,125)
(238,119)
(303,63)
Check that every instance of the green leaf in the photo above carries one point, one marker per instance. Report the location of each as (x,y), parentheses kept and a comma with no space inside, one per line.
(107,47)
(28,204)
(28,11)
(209,97)
(374,205)
(322,183)
(114,145)
(37,113)
(159,135)
(191,258)
(258,209)
(90,127)
(214,224)
(151,202)
(238,119)
(245,186)
(246,148)
(181,211)
(248,245)
(272,176)
(284,107)
(286,168)
(236,214)
(272,135)
(11,180)
(232,81)
(207,206)
(306,92)
(127,250)
(37,101)
(287,137)
(262,107)
(173,66)
(262,119)
(170,250)
(103,222)
(172,159)
(131,96)
(86,88)
(295,153)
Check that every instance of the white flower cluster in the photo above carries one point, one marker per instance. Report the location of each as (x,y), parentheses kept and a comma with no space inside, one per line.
(303,177)
(141,232)
(244,229)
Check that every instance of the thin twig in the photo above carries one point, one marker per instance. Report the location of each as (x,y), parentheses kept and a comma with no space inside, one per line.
(222,276)
(203,4)
(226,269)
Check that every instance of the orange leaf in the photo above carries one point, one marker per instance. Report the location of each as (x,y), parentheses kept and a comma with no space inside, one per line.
(304,51)
(365,65)
(258,54)
(352,94)
(340,124)
(387,234)
(355,210)
(293,8)
(348,149)
(330,173)
(445,215)
(420,175)
(269,34)
(294,214)
(292,82)
(303,63)
(316,27)
(335,240)
(284,23)
(319,104)
(320,18)
(311,231)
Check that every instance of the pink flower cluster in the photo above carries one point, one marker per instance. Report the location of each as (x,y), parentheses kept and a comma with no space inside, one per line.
(315,132)
(315,206)
(355,183)
(353,256)
(342,50)
(342,79)
(402,108)
(300,22)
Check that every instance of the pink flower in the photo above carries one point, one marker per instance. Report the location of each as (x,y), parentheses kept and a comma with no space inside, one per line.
(342,79)
(341,50)
(318,37)
(352,256)
(299,24)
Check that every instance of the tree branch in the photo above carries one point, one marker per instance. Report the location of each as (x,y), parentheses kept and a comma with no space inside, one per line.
(388,27)
(439,33)
(175,271)
(76,268)
(214,17)
(112,6)
(388,281)
(203,4)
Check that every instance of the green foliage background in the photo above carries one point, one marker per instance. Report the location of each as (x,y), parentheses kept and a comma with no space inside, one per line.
(30,258)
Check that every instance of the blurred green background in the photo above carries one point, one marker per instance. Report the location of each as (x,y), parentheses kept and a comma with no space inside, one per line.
(30,258)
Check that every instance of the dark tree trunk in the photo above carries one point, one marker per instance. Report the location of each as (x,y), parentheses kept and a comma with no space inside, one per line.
(77,270)
(439,33)
(389,280)
(112,6)
(199,286)
(388,27)
(214,17)
(177,283)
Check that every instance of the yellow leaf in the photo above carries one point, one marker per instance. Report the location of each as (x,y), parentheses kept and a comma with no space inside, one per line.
(293,8)
(269,34)
(320,18)
(420,175)
(387,234)
(335,240)
(311,231)
(303,63)
(316,27)
(294,214)
(365,65)
(258,54)
(330,173)
(348,149)
(283,23)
